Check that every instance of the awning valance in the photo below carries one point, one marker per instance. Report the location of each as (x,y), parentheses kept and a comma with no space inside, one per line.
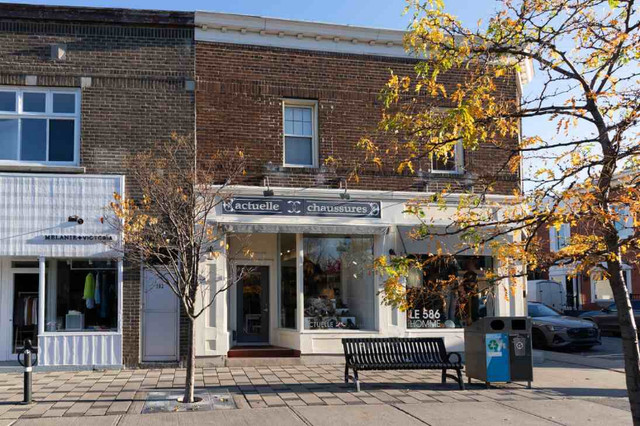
(282,228)
(448,243)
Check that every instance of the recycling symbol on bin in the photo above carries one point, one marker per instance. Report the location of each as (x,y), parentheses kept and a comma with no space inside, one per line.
(493,345)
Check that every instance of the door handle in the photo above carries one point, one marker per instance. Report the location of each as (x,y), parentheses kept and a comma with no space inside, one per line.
(266,310)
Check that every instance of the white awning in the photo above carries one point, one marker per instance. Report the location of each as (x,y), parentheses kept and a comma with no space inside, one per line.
(282,228)
(447,243)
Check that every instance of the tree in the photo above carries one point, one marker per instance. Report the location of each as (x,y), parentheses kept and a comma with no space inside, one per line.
(167,223)
(587,55)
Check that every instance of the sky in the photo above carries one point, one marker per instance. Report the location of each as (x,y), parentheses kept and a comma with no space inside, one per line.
(372,13)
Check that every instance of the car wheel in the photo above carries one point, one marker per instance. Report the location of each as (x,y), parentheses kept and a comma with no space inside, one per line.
(539,341)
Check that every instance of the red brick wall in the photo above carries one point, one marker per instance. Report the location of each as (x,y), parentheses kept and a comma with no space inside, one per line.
(239,105)
(136,98)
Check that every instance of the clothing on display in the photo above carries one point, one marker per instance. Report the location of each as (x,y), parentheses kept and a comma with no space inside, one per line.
(27,310)
(89,290)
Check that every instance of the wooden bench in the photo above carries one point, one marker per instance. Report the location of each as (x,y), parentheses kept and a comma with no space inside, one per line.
(393,353)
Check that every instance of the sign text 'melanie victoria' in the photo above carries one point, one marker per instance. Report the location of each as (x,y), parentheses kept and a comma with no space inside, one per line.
(301,207)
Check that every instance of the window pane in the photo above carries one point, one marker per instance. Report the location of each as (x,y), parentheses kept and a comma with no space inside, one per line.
(298,121)
(288,288)
(338,283)
(449,292)
(86,298)
(298,151)
(64,102)
(288,127)
(445,164)
(61,140)
(288,113)
(34,102)
(33,145)
(8,139)
(8,101)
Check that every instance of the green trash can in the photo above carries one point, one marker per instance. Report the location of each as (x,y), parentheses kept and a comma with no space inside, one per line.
(498,349)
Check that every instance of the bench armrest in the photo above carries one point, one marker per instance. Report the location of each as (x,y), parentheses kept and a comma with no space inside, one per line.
(458,356)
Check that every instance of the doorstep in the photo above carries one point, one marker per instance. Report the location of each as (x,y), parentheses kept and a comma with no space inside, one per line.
(262,352)
(254,356)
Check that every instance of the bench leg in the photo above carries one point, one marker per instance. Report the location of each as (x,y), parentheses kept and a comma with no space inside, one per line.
(460,379)
(346,373)
(444,375)
(356,380)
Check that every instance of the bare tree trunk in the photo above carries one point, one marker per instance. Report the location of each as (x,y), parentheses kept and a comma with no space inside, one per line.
(189,384)
(629,334)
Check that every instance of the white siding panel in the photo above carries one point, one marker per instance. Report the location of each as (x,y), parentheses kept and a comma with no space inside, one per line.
(32,206)
(84,349)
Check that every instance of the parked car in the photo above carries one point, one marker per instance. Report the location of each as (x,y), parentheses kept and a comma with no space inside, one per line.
(607,318)
(550,329)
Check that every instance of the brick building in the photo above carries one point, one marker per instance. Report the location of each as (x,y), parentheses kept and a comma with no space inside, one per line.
(80,89)
(293,95)
(584,291)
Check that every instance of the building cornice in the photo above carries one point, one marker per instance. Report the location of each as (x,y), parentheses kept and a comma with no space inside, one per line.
(303,35)
(313,36)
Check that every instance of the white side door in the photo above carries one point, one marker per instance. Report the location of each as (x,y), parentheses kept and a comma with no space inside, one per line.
(160,320)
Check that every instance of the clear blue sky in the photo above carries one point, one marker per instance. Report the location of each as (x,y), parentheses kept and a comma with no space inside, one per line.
(375,13)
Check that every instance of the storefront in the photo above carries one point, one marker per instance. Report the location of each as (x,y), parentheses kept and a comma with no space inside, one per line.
(306,261)
(60,275)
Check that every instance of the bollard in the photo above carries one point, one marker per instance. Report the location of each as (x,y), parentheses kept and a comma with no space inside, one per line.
(28,369)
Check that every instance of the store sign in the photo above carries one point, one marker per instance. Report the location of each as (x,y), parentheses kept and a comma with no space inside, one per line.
(301,207)
(82,238)
(423,318)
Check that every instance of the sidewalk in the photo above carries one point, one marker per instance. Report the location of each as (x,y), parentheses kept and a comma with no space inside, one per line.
(317,395)
(550,412)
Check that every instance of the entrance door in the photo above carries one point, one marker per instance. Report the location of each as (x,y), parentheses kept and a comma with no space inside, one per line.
(24,316)
(253,304)
(160,319)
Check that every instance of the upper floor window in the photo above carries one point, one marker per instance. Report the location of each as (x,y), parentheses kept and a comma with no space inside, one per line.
(559,238)
(453,163)
(624,221)
(39,125)
(300,133)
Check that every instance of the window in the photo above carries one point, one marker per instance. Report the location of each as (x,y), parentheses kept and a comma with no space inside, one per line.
(449,292)
(624,221)
(559,239)
(39,125)
(82,295)
(300,133)
(601,288)
(339,288)
(288,287)
(452,163)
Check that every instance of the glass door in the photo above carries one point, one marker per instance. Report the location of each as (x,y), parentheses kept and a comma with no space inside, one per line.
(253,304)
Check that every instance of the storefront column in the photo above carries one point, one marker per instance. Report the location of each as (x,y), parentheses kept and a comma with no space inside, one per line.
(300,282)
(41,294)
(119,280)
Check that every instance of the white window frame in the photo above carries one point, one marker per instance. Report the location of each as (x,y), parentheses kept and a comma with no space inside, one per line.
(627,273)
(458,158)
(301,103)
(48,114)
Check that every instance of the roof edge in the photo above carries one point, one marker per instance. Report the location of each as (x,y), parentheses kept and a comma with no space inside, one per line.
(97,15)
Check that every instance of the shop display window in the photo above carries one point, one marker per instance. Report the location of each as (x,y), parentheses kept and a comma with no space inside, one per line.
(449,292)
(339,291)
(288,287)
(82,295)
